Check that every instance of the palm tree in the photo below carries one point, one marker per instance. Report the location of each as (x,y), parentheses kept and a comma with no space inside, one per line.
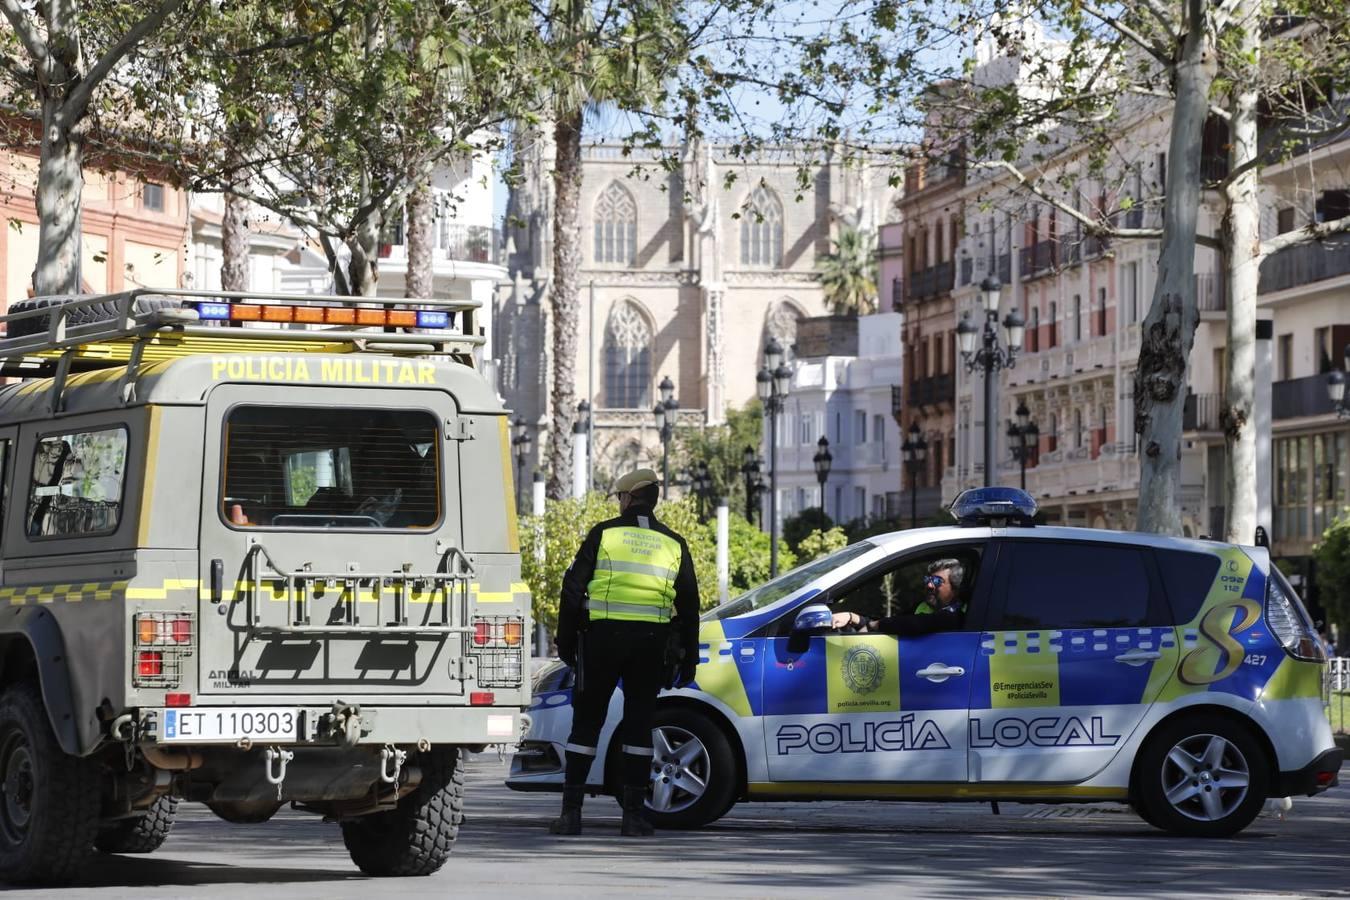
(849,273)
(621,63)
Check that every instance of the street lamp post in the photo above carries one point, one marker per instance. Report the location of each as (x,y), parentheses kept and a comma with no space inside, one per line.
(1336,388)
(1027,433)
(664,413)
(700,481)
(990,357)
(914,451)
(754,482)
(773,383)
(581,449)
(521,441)
(823,460)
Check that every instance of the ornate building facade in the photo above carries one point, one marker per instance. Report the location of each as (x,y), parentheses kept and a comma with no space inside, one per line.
(686,271)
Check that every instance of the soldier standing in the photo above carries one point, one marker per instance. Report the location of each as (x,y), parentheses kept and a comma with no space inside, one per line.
(629,611)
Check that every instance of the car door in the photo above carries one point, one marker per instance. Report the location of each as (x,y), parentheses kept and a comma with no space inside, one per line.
(874,707)
(1079,645)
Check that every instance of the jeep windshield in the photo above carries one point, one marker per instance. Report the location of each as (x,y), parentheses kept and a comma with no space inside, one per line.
(787,583)
(307,468)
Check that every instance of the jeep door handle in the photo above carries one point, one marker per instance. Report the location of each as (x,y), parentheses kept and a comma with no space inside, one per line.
(1138,657)
(939,672)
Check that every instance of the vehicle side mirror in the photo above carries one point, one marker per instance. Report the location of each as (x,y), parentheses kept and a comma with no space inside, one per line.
(814,618)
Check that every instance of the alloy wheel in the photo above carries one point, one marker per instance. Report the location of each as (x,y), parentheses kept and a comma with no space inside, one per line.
(1205,777)
(681,769)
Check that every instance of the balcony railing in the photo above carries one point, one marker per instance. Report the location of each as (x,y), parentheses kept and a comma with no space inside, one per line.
(931,282)
(1211,292)
(1038,258)
(1298,397)
(1305,263)
(1200,412)
(932,390)
(454,241)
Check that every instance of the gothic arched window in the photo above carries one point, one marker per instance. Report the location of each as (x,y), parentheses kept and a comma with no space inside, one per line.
(628,358)
(615,226)
(762,229)
(781,323)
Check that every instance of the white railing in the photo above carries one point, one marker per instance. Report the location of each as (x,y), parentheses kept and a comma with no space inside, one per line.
(1338,674)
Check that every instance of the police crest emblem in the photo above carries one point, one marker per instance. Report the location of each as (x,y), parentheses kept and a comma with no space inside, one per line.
(863,670)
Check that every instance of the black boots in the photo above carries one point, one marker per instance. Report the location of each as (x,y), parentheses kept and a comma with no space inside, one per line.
(569,822)
(634,824)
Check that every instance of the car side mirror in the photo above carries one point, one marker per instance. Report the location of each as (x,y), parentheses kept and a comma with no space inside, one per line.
(813,619)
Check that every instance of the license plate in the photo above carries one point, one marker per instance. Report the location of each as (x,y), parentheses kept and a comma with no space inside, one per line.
(188,725)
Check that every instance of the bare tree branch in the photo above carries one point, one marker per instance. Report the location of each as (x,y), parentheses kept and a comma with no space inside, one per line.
(1313,231)
(1170,28)
(1091,226)
(23,27)
(1161,54)
(78,99)
(340,284)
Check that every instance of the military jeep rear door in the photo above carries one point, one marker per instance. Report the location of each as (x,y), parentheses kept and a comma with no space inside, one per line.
(328,524)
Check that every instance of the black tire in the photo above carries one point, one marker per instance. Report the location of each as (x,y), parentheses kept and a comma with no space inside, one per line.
(142,834)
(715,765)
(1214,750)
(49,809)
(85,315)
(415,838)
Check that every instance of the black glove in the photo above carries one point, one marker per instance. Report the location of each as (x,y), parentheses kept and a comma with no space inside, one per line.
(567,651)
(688,667)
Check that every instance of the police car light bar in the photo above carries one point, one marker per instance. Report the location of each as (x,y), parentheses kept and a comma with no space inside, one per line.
(995,506)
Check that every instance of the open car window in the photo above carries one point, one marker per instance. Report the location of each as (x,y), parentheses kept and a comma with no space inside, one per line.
(772,591)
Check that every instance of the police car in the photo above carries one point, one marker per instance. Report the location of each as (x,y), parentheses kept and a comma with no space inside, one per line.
(1180,676)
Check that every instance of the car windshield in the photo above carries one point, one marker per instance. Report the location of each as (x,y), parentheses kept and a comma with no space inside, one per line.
(302,468)
(788,582)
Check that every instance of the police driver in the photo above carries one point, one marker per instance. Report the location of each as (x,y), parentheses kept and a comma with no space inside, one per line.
(940,610)
(630,579)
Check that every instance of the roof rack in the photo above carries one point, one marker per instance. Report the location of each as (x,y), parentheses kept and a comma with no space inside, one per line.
(228,322)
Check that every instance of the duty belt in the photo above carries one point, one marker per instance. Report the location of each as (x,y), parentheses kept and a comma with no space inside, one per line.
(662,613)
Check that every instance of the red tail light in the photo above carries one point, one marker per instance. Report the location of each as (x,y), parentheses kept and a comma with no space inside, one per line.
(177,699)
(481,698)
(181,630)
(482,633)
(150,664)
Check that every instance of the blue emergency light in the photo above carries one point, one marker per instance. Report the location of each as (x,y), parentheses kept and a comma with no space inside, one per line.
(214,311)
(994,506)
(433,318)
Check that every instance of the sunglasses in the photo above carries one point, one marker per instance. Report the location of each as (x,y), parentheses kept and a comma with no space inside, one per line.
(933,581)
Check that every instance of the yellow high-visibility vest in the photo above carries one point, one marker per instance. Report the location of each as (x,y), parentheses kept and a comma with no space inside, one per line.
(634,578)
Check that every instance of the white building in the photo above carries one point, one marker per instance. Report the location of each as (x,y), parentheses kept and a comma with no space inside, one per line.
(846,395)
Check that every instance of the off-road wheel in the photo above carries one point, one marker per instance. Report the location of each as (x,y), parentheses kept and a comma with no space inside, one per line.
(415,838)
(49,801)
(142,834)
(84,315)
(694,773)
(1201,776)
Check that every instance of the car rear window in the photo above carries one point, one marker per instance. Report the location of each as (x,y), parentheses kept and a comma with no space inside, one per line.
(1187,578)
(1063,584)
(305,468)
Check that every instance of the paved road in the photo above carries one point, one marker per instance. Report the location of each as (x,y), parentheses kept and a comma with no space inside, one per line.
(768,850)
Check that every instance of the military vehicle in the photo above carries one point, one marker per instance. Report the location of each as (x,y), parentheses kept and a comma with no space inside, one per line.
(255,550)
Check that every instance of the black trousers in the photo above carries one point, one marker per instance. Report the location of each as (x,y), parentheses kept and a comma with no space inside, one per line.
(614,651)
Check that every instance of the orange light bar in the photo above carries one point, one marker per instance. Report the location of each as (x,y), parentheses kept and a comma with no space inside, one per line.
(278,313)
(243,312)
(404,318)
(339,315)
(309,314)
(370,317)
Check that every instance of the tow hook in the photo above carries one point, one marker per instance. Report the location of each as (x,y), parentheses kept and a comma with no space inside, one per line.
(388,753)
(274,762)
(343,724)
